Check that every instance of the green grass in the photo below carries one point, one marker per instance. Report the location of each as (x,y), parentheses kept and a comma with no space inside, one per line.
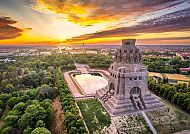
(94,115)
(134,124)
(169,120)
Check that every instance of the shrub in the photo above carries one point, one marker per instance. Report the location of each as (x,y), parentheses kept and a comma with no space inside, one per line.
(41,130)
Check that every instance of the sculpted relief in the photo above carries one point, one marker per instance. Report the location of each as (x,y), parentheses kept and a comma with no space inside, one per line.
(129,56)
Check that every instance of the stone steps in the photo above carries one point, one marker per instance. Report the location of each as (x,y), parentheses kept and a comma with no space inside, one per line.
(154,105)
(100,93)
(107,96)
(152,102)
(125,105)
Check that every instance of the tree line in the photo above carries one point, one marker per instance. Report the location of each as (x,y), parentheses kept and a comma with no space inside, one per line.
(178,94)
(74,122)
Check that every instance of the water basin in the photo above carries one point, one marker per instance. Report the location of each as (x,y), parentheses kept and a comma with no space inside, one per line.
(90,82)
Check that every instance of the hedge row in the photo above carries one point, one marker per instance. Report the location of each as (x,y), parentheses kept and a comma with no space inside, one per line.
(73,121)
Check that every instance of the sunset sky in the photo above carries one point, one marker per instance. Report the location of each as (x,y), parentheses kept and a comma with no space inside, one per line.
(42,22)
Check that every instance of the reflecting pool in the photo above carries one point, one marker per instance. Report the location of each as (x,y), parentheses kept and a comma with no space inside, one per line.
(91,82)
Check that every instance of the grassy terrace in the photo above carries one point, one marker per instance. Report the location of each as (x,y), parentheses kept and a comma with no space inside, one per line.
(131,124)
(177,77)
(169,120)
(94,115)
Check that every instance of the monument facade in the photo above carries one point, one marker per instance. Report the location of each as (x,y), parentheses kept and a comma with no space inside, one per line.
(127,89)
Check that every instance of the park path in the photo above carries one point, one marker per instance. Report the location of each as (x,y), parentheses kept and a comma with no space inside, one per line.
(58,126)
(149,122)
(75,92)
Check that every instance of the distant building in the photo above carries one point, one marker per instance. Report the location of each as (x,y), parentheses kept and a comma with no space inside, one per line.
(184,70)
(7,60)
(45,53)
(105,53)
(6,54)
(91,52)
(76,52)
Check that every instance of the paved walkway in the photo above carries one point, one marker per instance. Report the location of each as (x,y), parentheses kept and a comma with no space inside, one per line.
(149,122)
(83,70)
(71,85)
(74,90)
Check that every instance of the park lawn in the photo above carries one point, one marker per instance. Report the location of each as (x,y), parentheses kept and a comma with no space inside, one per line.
(131,124)
(177,77)
(170,120)
(151,74)
(94,115)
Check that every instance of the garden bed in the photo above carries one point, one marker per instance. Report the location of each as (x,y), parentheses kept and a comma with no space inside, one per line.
(169,121)
(94,115)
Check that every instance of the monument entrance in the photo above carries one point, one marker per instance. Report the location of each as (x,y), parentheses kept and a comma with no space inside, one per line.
(135,95)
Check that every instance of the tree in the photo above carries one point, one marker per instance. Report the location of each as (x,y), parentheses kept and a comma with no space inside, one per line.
(50,69)
(73,130)
(4,83)
(11,120)
(20,107)
(188,107)
(40,123)
(24,98)
(2,105)
(26,71)
(48,81)
(28,130)
(47,104)
(13,131)
(45,92)
(41,130)
(13,101)
(6,75)
(32,114)
(5,130)
(33,93)
(5,97)
(9,88)
(31,79)
(1,77)
(54,92)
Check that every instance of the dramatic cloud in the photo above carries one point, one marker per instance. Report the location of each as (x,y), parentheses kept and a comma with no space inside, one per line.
(173,22)
(89,12)
(169,40)
(6,30)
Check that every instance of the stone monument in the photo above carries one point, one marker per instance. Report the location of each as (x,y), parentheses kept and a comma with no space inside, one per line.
(127,90)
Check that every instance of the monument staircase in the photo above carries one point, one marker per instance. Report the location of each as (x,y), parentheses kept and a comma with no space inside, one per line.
(138,103)
(107,95)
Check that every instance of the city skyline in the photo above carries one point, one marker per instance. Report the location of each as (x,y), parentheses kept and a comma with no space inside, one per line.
(94,21)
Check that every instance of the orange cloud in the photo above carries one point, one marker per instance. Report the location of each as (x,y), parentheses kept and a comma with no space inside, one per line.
(89,12)
(173,22)
(6,30)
